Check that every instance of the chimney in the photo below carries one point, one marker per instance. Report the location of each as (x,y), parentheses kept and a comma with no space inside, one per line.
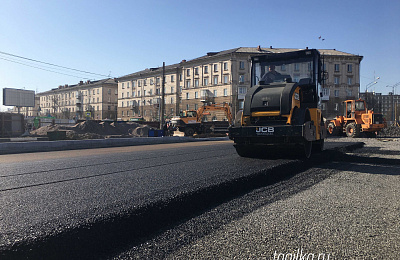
(66,86)
(81,82)
(183,61)
(259,48)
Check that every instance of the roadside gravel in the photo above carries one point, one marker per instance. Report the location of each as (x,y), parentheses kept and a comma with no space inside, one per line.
(346,209)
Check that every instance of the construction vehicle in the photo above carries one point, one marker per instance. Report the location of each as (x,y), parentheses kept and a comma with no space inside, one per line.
(191,121)
(357,119)
(282,106)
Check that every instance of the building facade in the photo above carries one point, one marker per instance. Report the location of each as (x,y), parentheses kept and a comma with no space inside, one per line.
(91,99)
(342,80)
(387,105)
(224,77)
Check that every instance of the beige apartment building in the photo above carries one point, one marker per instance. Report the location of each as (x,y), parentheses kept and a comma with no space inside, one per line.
(95,100)
(224,77)
(342,83)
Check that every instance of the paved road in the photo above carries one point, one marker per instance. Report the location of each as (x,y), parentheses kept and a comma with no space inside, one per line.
(110,197)
(348,208)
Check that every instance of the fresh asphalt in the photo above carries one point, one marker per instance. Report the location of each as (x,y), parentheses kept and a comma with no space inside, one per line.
(95,206)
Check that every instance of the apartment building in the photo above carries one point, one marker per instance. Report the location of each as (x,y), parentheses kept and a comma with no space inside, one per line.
(91,99)
(342,80)
(223,77)
(387,105)
(140,93)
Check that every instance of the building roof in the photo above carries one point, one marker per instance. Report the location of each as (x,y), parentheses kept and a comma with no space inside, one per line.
(81,84)
(245,50)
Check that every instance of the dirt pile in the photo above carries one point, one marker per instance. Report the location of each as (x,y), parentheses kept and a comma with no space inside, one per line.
(94,130)
(391,131)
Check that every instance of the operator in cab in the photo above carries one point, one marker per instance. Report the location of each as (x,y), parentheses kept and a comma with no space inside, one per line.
(271,76)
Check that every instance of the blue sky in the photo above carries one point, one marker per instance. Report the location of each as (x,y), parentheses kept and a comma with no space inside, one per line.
(121,37)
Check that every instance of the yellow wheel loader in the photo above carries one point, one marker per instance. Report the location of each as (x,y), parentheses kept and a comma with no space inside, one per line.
(282,106)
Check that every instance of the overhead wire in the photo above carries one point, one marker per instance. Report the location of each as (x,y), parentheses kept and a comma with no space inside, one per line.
(50,64)
(42,68)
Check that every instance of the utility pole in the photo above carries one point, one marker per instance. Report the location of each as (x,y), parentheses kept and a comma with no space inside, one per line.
(162,105)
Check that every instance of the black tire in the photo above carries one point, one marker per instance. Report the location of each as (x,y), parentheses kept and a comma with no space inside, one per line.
(352,130)
(332,129)
(307,145)
(189,131)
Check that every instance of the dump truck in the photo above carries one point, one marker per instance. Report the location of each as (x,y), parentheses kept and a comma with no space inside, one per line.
(357,119)
(191,121)
(282,106)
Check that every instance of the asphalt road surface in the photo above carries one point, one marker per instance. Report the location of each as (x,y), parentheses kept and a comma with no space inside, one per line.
(195,200)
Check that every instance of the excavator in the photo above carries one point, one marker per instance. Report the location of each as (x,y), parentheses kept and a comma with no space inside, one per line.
(357,119)
(282,107)
(191,121)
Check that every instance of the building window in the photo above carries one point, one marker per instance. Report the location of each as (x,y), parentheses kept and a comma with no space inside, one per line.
(133,84)
(127,113)
(323,106)
(283,67)
(337,93)
(188,72)
(196,83)
(337,80)
(215,93)
(349,81)
(122,113)
(225,92)
(187,95)
(325,92)
(122,104)
(241,65)
(337,67)
(196,106)
(122,95)
(98,91)
(205,81)
(127,94)
(123,85)
(296,66)
(241,78)
(187,107)
(226,79)
(241,104)
(151,81)
(336,106)
(196,94)
(144,92)
(242,90)
(180,77)
(127,85)
(205,69)
(158,81)
(349,68)
(215,67)
(215,80)
(196,71)
(187,83)
(225,65)
(349,92)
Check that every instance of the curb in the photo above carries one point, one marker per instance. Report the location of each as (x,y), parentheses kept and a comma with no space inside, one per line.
(47,146)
